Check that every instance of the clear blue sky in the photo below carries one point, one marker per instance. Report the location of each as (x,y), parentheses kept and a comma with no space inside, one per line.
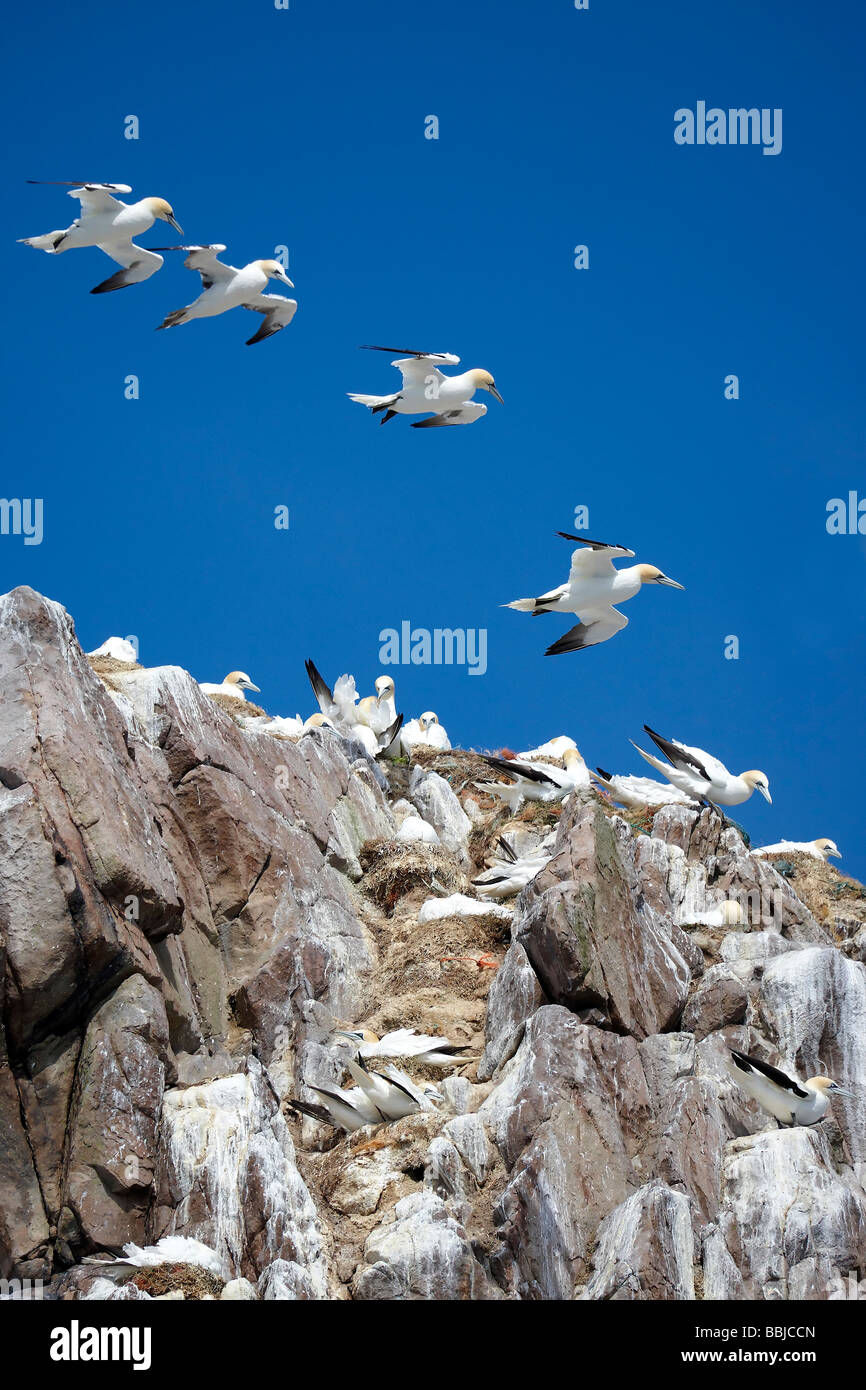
(306,127)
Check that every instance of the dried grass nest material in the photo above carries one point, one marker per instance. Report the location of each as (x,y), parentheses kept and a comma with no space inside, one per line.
(392,869)
(192,1280)
(826,892)
(235,707)
(109,665)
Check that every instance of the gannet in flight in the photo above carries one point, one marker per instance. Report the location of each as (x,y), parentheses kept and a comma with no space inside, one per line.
(511,873)
(537,781)
(233,685)
(425,388)
(592,589)
(339,709)
(426,730)
(110,225)
(404,1042)
(640,791)
(818,849)
(224,287)
(792,1102)
(701,775)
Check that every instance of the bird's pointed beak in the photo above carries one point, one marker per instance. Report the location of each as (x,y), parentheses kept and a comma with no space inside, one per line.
(177,227)
(671,583)
(766,794)
(833,854)
(248,685)
(494,392)
(843,1091)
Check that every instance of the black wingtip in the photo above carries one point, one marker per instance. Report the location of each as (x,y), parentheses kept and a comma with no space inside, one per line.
(601,772)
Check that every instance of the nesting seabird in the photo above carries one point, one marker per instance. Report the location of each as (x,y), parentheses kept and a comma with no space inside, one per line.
(553,748)
(339,710)
(388,1093)
(817,849)
(511,872)
(346,1110)
(404,1042)
(426,731)
(233,685)
(536,781)
(791,1102)
(110,225)
(592,589)
(118,649)
(702,776)
(637,792)
(425,388)
(225,287)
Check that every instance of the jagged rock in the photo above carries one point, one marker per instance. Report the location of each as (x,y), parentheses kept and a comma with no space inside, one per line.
(438,805)
(645,1249)
(719,999)
(421,1252)
(514,996)
(783,1203)
(593,940)
(228,1178)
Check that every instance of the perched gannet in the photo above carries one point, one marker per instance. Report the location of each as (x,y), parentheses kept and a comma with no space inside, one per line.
(118,649)
(110,225)
(701,775)
(404,1042)
(792,1102)
(592,589)
(276,725)
(553,748)
(511,872)
(425,730)
(346,1110)
(388,1093)
(168,1250)
(378,711)
(233,685)
(537,781)
(640,791)
(818,849)
(225,287)
(425,388)
(339,710)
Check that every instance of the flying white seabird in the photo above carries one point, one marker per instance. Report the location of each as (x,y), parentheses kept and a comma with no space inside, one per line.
(592,589)
(233,685)
(818,849)
(701,775)
(110,225)
(425,388)
(425,730)
(791,1102)
(225,287)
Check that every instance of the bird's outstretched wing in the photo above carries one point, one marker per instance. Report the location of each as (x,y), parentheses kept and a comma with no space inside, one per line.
(686,759)
(278,312)
(94,197)
(517,769)
(589,634)
(204,260)
(462,415)
(138,264)
(595,558)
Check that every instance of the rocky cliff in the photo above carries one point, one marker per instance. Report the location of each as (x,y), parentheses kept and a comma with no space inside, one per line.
(184,900)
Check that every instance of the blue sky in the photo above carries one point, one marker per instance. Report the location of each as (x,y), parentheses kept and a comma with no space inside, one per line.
(306,128)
